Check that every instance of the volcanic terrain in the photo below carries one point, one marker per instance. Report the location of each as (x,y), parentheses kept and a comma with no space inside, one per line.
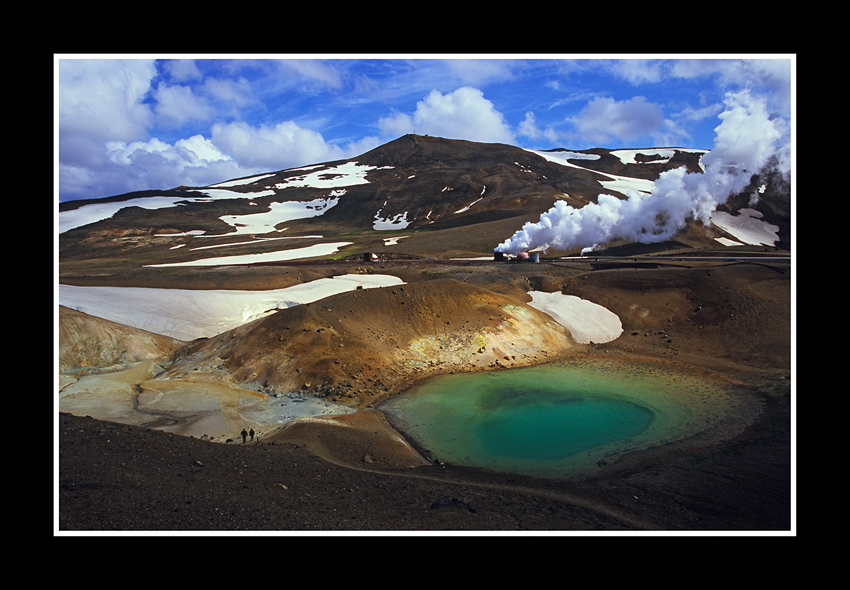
(149,423)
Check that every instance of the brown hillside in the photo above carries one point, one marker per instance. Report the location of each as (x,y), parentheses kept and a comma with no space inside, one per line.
(360,346)
(87,341)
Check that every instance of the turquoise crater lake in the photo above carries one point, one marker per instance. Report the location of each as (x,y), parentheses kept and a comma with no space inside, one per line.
(556,420)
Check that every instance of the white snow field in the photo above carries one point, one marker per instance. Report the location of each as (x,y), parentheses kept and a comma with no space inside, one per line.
(346,174)
(277,256)
(187,314)
(261,223)
(586,321)
(748,227)
(615,183)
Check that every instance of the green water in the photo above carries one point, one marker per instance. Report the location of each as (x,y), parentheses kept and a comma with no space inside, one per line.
(557,420)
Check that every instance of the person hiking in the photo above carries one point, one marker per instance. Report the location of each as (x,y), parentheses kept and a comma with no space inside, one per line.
(251,434)
(244,434)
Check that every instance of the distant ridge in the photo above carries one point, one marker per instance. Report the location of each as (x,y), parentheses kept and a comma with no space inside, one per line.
(413,183)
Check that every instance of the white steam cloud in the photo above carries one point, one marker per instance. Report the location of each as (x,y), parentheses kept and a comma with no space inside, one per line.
(744,144)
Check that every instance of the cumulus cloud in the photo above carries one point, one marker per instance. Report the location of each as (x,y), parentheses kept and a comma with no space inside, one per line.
(639,71)
(177,105)
(772,77)
(462,114)
(273,147)
(195,161)
(528,127)
(114,115)
(182,70)
(109,110)
(98,101)
(604,119)
(229,92)
(193,151)
(234,150)
(106,108)
(101,100)
(104,97)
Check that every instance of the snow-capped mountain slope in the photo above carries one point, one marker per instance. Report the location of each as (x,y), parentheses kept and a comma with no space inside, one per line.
(412,183)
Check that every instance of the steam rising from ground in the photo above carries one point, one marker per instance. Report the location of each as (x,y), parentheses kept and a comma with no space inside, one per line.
(745,143)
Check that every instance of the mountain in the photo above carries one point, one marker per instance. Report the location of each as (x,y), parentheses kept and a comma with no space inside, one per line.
(448,197)
(304,338)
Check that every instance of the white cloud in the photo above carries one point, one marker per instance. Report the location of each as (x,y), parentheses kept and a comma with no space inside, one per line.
(462,114)
(100,100)
(771,77)
(177,105)
(529,128)
(234,92)
(103,98)
(311,71)
(108,108)
(275,114)
(123,153)
(396,124)
(202,148)
(639,71)
(605,119)
(273,148)
(194,151)
(156,164)
(182,70)
(694,114)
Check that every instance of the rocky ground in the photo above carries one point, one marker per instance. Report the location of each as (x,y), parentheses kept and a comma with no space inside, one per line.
(351,473)
(115,477)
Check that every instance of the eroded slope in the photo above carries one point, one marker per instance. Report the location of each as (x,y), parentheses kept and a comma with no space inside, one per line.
(362,345)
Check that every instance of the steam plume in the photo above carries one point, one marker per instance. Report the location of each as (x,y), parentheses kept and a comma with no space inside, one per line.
(744,144)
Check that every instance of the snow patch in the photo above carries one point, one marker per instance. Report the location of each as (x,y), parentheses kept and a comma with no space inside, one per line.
(614,183)
(278,256)
(187,314)
(400,221)
(586,321)
(346,174)
(628,156)
(94,212)
(259,223)
(563,157)
(624,184)
(468,206)
(748,227)
(257,241)
(241,181)
(68,220)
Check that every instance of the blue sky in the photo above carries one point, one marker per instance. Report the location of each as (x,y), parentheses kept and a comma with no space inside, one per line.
(135,122)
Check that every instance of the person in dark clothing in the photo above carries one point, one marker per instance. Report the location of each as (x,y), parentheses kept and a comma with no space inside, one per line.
(244,434)
(251,434)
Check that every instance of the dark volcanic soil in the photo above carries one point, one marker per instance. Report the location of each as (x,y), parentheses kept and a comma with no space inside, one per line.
(114,477)
(727,318)
(730,320)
